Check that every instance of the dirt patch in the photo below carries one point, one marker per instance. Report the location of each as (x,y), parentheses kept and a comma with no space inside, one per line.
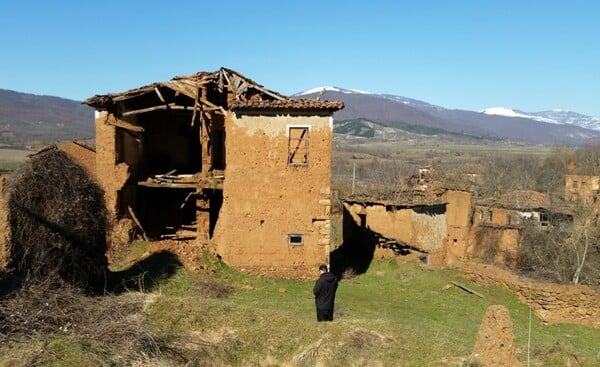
(192,254)
(495,340)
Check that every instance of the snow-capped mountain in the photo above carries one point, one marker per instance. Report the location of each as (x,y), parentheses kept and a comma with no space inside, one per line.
(330,89)
(546,127)
(557,116)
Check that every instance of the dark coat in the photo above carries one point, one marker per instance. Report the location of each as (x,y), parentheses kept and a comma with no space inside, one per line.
(324,291)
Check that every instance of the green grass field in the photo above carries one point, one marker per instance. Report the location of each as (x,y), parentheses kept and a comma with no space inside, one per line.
(393,315)
(11,159)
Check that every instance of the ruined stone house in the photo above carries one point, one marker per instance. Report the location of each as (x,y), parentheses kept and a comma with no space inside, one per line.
(217,157)
(433,226)
(497,223)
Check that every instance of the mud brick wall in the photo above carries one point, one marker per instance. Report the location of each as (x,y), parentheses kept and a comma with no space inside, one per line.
(265,199)
(83,156)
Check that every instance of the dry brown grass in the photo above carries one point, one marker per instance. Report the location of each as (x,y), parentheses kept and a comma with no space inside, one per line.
(41,312)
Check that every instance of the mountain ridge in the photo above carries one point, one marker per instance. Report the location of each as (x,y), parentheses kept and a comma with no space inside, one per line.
(537,128)
(26,117)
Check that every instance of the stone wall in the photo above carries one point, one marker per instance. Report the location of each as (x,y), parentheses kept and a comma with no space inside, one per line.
(111,176)
(581,189)
(552,303)
(458,216)
(497,244)
(418,226)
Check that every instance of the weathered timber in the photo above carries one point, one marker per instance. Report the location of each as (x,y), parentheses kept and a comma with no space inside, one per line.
(469,290)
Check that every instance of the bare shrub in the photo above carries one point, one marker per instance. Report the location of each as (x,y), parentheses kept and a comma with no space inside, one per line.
(58,222)
(543,255)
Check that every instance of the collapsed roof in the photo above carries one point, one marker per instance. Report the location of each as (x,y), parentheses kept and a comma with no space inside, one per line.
(528,200)
(206,91)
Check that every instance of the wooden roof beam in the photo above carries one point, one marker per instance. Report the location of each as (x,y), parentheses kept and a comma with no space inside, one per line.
(170,106)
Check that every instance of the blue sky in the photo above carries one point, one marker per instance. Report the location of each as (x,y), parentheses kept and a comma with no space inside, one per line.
(527,54)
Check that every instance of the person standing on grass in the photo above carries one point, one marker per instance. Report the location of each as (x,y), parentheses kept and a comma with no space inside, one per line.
(324,291)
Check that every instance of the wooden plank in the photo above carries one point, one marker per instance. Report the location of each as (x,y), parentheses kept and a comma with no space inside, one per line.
(159,94)
(466,289)
(144,110)
(170,106)
(186,199)
(137,222)
(168,185)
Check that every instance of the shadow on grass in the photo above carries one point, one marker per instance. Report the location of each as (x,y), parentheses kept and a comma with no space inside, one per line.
(145,274)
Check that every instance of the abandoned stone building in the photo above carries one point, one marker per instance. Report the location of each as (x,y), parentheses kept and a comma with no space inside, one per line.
(218,158)
(499,222)
(434,227)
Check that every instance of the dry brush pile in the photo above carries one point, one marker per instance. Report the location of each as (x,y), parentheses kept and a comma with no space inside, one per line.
(58,222)
(58,266)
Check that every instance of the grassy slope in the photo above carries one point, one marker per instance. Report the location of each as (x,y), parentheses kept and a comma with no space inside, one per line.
(394,315)
(397,315)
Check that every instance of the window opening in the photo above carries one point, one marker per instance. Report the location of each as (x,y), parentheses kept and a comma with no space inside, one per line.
(298,146)
(295,239)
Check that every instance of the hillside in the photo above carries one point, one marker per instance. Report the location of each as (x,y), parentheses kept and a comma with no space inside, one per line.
(412,115)
(27,119)
(392,315)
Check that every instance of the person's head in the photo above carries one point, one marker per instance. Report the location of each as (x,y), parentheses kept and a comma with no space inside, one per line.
(323,268)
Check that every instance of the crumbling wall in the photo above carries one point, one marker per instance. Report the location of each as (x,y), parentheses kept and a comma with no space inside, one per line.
(495,343)
(429,228)
(82,155)
(110,174)
(497,244)
(582,189)
(421,227)
(265,200)
(458,216)
(553,303)
(394,223)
